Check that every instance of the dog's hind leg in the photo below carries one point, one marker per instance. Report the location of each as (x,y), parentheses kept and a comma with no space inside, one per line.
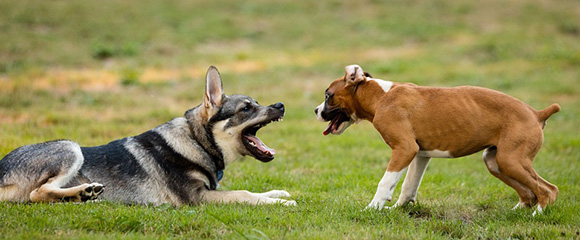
(72,159)
(52,193)
(413,180)
(515,160)
(527,197)
(38,172)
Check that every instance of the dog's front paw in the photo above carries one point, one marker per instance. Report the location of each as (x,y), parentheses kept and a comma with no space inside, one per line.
(91,191)
(391,207)
(374,206)
(377,204)
(276,194)
(288,202)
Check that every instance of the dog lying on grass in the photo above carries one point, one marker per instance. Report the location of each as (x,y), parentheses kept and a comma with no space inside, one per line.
(178,162)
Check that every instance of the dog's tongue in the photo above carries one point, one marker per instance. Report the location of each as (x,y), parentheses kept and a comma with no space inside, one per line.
(328,129)
(331,127)
(260,145)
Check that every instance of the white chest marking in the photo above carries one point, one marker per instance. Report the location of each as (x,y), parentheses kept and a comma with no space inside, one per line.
(434,154)
(228,140)
(385,85)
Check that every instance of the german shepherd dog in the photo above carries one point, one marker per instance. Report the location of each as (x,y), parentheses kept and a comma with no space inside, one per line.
(178,162)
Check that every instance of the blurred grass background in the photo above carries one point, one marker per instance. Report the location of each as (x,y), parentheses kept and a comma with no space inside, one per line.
(95,71)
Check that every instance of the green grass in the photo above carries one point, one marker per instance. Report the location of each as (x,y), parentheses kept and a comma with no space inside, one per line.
(95,71)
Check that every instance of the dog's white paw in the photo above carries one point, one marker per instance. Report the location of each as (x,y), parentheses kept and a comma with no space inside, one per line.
(376,205)
(392,207)
(288,202)
(267,200)
(539,210)
(276,194)
(518,206)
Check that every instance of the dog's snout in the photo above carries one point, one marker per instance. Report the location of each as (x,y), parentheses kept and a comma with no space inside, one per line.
(318,111)
(279,106)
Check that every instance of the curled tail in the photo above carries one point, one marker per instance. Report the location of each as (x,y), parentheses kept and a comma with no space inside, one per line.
(545,113)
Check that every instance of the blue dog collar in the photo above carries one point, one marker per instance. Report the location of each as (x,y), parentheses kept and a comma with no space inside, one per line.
(220,175)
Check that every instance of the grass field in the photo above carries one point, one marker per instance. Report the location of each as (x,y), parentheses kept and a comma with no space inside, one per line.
(95,71)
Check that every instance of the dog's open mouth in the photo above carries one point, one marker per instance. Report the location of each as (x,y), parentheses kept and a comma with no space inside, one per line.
(340,121)
(255,146)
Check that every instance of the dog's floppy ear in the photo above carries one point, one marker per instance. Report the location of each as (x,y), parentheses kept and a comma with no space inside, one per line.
(354,75)
(214,90)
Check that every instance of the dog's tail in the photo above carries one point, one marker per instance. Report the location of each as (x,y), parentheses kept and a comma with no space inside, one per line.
(544,114)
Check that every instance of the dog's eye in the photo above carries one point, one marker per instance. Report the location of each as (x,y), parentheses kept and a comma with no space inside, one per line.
(247,108)
(327,96)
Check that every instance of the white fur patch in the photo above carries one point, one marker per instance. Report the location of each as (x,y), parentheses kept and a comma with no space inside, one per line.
(518,206)
(320,108)
(63,179)
(413,180)
(385,85)
(539,210)
(434,154)
(385,189)
(229,140)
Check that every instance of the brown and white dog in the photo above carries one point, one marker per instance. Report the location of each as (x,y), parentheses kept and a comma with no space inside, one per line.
(420,123)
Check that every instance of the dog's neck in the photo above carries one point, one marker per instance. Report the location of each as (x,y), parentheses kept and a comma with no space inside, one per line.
(367,97)
(202,134)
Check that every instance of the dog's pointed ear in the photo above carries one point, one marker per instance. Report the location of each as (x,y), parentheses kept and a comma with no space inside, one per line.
(214,90)
(354,75)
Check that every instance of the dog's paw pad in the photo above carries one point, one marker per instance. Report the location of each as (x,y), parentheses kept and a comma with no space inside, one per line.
(98,188)
(91,191)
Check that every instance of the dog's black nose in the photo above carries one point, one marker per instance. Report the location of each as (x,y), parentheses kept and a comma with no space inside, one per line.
(316,111)
(279,106)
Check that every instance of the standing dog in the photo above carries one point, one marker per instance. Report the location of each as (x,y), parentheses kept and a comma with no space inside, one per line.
(419,123)
(178,162)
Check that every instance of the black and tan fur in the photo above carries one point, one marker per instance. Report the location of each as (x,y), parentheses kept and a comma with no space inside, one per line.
(178,162)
